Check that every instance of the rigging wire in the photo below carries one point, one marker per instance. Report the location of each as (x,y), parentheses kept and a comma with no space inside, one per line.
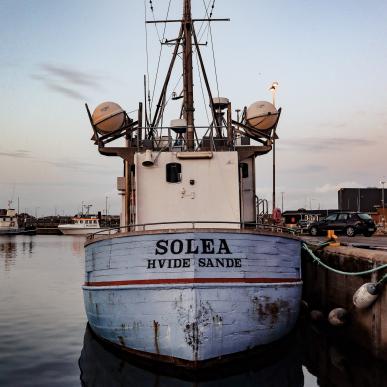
(160,52)
(154,19)
(174,89)
(147,60)
(201,33)
(201,87)
(212,44)
(212,9)
(206,7)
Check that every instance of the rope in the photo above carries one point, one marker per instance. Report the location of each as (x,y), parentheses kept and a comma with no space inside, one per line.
(212,45)
(160,52)
(380,282)
(147,59)
(174,89)
(206,7)
(320,262)
(154,19)
(201,87)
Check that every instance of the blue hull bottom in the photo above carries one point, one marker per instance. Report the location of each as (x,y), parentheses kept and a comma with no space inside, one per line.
(193,324)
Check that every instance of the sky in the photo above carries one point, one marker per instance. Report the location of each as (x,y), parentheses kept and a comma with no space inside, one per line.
(329,57)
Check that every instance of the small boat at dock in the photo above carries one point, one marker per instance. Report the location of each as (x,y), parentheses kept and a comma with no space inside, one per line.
(82,224)
(9,223)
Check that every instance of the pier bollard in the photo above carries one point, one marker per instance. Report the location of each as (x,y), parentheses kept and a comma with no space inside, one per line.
(332,237)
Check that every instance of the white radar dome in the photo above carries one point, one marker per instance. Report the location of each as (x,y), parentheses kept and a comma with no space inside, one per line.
(262,115)
(108,117)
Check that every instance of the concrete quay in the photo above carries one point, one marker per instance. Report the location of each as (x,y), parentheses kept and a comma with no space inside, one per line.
(325,290)
(48,231)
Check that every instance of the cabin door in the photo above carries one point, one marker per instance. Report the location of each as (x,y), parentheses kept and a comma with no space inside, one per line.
(247,184)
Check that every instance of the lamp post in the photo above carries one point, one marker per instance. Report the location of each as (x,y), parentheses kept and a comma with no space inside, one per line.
(382,182)
(273,89)
(106,209)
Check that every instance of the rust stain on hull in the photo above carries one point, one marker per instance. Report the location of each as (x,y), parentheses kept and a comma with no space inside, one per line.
(272,310)
(121,340)
(156,326)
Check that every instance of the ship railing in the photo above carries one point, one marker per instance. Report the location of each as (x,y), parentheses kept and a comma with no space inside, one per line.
(193,225)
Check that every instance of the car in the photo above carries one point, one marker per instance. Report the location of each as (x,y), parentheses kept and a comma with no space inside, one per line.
(348,223)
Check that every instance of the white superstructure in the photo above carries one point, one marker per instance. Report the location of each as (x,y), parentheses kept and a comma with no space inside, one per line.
(206,188)
(8,221)
(81,225)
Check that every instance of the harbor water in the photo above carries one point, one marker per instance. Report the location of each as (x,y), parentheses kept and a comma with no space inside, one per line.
(45,341)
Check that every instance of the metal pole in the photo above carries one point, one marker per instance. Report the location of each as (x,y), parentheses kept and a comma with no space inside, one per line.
(187,75)
(273,89)
(383,211)
(106,210)
(282,202)
(273,171)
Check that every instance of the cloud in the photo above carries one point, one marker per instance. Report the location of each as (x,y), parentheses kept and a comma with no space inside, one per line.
(335,125)
(70,75)
(329,187)
(80,166)
(71,164)
(66,81)
(19,154)
(308,168)
(65,91)
(323,144)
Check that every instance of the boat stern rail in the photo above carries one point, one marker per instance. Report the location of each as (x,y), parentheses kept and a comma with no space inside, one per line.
(141,227)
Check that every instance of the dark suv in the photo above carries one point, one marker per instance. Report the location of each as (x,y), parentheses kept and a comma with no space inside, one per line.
(349,223)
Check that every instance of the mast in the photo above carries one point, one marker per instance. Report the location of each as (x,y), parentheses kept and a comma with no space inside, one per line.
(187,75)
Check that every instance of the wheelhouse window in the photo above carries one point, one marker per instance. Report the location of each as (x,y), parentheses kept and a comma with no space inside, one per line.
(173,172)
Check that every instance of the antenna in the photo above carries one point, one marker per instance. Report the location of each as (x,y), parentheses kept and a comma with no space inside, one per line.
(185,38)
(87,206)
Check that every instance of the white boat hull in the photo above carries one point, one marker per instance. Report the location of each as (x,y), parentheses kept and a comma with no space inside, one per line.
(79,231)
(222,293)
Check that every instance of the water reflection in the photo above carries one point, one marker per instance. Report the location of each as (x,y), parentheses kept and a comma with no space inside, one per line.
(338,363)
(9,250)
(77,245)
(101,366)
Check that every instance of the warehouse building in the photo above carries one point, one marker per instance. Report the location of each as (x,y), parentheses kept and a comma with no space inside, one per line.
(360,199)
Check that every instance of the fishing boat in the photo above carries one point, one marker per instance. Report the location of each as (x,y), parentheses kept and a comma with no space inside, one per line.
(82,223)
(190,278)
(9,224)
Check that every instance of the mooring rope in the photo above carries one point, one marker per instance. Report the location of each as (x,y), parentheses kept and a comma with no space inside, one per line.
(320,262)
